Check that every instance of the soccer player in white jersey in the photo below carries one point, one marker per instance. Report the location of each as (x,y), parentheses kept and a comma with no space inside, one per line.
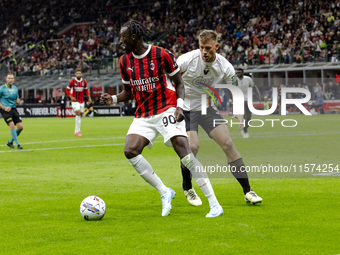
(244,82)
(201,69)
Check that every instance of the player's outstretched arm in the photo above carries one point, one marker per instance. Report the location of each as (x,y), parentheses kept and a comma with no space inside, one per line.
(258,93)
(177,79)
(241,121)
(124,96)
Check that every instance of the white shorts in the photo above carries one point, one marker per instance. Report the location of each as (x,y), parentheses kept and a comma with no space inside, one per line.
(163,123)
(78,106)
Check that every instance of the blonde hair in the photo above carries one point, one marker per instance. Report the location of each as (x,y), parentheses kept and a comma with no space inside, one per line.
(207,35)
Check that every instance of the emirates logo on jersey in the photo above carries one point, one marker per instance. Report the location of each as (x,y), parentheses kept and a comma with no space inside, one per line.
(145,84)
(78,89)
(152,66)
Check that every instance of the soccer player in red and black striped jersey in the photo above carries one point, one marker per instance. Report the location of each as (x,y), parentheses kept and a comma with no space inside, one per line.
(75,90)
(150,75)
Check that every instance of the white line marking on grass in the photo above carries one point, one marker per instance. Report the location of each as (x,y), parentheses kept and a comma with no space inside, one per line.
(63,148)
(72,140)
(103,145)
(328,174)
(71,147)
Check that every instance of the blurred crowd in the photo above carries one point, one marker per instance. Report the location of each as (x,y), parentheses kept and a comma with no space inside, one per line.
(251,32)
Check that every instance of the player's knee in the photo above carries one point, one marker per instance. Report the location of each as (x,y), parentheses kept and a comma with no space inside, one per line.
(227,145)
(131,152)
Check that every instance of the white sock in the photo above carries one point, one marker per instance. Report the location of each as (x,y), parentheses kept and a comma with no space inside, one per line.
(76,127)
(78,120)
(200,176)
(144,169)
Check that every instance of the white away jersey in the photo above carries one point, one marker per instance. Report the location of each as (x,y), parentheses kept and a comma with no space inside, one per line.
(199,75)
(244,84)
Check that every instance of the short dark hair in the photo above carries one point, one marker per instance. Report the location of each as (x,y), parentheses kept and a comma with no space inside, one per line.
(138,29)
(239,69)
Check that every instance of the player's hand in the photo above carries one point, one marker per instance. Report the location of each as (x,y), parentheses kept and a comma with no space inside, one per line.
(73,98)
(240,119)
(89,100)
(179,115)
(7,109)
(105,99)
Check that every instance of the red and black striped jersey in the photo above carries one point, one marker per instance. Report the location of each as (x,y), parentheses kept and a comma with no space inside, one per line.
(78,89)
(148,77)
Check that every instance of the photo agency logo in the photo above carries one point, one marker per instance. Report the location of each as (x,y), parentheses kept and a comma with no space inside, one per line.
(239,100)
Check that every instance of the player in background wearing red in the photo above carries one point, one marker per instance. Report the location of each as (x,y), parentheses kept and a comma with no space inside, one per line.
(151,75)
(75,90)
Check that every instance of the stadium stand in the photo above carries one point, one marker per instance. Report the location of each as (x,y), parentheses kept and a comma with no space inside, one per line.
(279,42)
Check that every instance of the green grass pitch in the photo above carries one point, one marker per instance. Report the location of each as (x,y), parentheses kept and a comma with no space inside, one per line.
(41,188)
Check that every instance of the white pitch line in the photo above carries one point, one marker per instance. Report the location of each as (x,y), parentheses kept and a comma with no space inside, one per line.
(234,136)
(71,147)
(328,174)
(103,145)
(63,148)
(73,140)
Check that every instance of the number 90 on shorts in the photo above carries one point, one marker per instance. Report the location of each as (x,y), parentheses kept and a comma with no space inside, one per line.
(163,123)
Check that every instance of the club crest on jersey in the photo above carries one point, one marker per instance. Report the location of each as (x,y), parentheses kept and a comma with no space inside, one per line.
(201,80)
(152,66)
(206,71)
(204,84)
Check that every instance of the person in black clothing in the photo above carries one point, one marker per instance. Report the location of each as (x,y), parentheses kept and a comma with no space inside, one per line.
(128,108)
(62,102)
(89,109)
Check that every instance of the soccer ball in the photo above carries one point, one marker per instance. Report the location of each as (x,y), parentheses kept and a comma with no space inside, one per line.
(92,208)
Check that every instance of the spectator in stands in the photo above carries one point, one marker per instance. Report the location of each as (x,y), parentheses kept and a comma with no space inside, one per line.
(316,90)
(325,89)
(332,90)
(225,100)
(319,103)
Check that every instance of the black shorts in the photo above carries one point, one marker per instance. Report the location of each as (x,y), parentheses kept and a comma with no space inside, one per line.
(12,115)
(208,122)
